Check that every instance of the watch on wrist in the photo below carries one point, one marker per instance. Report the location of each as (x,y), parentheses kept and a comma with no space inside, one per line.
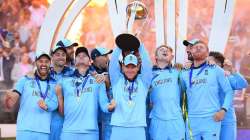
(224,109)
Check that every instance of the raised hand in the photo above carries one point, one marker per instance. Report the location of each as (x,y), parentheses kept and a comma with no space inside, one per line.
(100,78)
(219,116)
(10,99)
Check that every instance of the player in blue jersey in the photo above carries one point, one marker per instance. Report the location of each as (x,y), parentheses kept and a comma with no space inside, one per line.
(203,84)
(81,98)
(238,82)
(58,70)
(37,101)
(130,90)
(100,58)
(69,45)
(166,116)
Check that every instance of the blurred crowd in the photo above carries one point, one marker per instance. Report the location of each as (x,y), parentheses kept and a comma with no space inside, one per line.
(19,27)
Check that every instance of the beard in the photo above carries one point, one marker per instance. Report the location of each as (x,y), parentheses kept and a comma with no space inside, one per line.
(103,66)
(190,57)
(42,72)
(69,59)
(199,57)
(82,64)
(60,64)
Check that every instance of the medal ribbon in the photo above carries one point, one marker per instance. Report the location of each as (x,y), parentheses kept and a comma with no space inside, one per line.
(83,85)
(130,90)
(40,89)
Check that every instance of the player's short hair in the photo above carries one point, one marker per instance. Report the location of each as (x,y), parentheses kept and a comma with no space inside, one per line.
(165,46)
(218,56)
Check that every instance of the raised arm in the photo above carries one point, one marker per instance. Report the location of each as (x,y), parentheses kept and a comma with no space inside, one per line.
(146,67)
(114,66)
(225,87)
(237,81)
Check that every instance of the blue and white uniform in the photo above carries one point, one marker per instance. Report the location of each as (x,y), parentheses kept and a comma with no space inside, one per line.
(33,123)
(57,119)
(129,117)
(228,124)
(82,96)
(203,86)
(166,115)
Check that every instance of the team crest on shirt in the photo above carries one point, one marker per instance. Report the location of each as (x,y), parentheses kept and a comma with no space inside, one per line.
(91,81)
(206,72)
(32,84)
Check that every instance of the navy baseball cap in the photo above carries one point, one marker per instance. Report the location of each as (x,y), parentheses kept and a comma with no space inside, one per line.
(191,42)
(66,43)
(100,51)
(57,47)
(39,54)
(82,49)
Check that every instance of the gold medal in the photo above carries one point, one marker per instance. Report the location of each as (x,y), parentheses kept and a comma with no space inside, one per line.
(43,103)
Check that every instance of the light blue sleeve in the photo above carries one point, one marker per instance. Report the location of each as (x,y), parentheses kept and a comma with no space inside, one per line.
(51,101)
(102,97)
(61,83)
(114,66)
(146,66)
(19,86)
(237,81)
(226,87)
